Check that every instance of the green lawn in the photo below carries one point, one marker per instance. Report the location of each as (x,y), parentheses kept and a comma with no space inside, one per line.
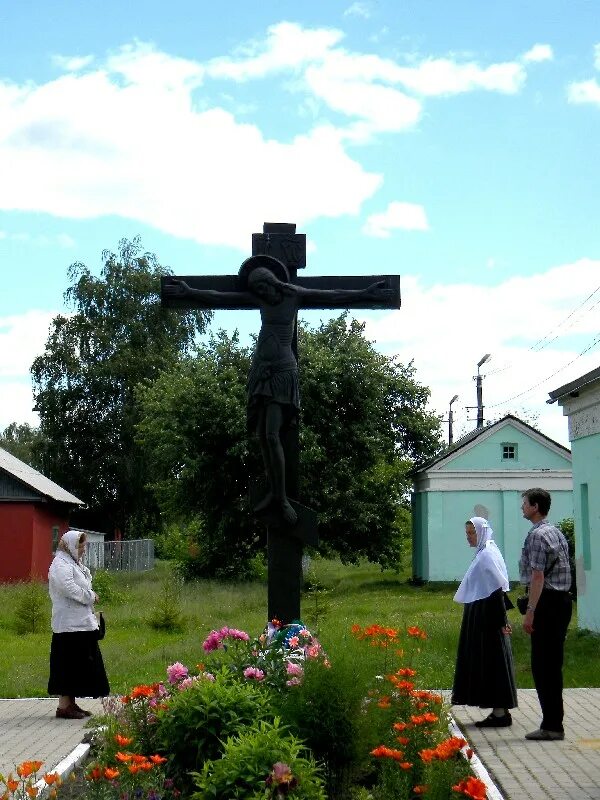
(135,653)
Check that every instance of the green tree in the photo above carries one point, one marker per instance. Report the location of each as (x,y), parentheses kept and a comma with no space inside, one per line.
(364,423)
(24,442)
(117,336)
(193,429)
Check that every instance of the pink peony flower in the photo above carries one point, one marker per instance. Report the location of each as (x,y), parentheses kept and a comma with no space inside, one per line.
(294,669)
(293,682)
(176,672)
(212,642)
(294,641)
(313,650)
(207,676)
(234,633)
(305,634)
(254,673)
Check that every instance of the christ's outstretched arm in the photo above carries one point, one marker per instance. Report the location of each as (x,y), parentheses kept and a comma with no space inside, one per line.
(179,288)
(345,297)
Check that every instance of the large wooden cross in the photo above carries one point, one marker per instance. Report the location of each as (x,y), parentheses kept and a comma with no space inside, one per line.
(280,241)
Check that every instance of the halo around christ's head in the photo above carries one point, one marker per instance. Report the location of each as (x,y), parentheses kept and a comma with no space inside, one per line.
(274,265)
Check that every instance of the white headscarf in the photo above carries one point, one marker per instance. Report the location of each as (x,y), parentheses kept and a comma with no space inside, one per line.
(70,540)
(487,572)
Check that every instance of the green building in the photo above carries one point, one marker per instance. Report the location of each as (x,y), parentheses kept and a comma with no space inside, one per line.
(580,402)
(483,474)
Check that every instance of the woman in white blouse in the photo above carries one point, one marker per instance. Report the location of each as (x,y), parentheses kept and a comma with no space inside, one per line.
(76,666)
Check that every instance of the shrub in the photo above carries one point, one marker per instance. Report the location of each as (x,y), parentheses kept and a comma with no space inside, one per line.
(327,712)
(166,615)
(260,763)
(199,718)
(103,584)
(31,614)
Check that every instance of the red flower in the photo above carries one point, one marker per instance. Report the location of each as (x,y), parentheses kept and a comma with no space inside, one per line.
(110,774)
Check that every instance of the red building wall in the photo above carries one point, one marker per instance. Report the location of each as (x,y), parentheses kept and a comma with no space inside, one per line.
(46,517)
(26,540)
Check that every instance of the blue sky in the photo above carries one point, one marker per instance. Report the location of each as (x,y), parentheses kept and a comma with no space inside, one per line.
(454,143)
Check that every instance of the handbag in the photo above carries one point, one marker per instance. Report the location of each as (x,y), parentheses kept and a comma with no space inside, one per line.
(522,603)
(100,633)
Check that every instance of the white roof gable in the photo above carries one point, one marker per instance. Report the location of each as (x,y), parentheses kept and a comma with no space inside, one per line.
(31,477)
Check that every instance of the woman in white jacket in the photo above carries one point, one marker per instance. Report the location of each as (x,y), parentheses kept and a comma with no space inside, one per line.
(76,666)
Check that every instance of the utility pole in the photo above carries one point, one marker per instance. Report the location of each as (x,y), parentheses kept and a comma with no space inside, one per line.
(479,379)
(451,419)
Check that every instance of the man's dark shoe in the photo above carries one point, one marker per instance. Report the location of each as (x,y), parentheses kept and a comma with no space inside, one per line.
(542,735)
(70,712)
(83,710)
(492,721)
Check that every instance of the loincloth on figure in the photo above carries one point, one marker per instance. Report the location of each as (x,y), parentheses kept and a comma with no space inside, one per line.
(273,383)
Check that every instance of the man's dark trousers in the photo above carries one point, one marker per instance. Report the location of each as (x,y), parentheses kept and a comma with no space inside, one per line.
(550,623)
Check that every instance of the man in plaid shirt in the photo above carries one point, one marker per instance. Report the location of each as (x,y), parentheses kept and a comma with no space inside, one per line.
(545,571)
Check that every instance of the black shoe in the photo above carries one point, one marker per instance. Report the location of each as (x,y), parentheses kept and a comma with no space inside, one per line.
(492,721)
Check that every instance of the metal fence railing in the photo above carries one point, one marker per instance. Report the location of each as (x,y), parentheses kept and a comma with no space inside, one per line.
(133,555)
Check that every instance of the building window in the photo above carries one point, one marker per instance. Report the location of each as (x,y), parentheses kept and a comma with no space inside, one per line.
(509,452)
(55,537)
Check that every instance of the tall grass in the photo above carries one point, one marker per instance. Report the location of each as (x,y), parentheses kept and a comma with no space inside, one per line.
(134,652)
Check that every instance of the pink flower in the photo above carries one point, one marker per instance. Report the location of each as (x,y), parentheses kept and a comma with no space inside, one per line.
(254,673)
(294,641)
(212,642)
(313,650)
(207,676)
(293,682)
(294,669)
(234,633)
(176,672)
(186,683)
(304,633)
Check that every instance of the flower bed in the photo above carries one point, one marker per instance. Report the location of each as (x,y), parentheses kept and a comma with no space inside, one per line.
(272,717)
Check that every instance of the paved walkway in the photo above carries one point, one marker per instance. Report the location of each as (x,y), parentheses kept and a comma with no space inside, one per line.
(522,770)
(29,731)
(567,770)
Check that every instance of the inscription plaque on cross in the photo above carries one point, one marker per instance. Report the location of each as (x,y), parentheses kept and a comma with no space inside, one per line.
(269,281)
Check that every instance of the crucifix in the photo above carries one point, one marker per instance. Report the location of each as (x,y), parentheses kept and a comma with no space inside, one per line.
(269,281)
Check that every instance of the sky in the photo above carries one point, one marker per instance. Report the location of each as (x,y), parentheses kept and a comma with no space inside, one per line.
(453,143)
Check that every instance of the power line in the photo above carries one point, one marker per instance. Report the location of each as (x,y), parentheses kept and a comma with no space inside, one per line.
(534,347)
(531,388)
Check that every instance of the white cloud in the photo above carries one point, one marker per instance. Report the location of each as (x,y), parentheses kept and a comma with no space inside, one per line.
(287,46)
(446,329)
(72,63)
(358,9)
(584,92)
(539,52)
(85,146)
(129,137)
(16,404)
(22,338)
(397,216)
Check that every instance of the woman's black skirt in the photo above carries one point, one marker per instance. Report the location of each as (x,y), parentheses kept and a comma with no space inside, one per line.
(76,666)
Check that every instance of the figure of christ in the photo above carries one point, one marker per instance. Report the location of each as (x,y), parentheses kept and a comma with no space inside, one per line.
(273,393)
